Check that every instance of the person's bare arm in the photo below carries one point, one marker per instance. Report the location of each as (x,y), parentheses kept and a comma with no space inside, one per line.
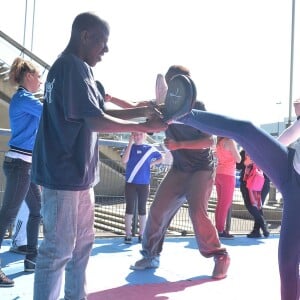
(107,123)
(126,103)
(125,156)
(292,133)
(157,161)
(231,146)
(131,113)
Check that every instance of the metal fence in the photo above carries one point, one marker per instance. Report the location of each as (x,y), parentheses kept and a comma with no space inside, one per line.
(110,209)
(110,202)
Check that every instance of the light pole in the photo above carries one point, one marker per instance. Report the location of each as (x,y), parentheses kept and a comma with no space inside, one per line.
(278,116)
(291,64)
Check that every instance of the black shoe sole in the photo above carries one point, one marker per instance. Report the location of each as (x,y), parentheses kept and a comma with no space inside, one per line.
(7,285)
(18,252)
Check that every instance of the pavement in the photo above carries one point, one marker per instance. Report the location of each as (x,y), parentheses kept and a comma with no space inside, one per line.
(183,273)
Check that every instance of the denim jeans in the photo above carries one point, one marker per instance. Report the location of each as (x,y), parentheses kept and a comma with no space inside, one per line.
(19,187)
(68,219)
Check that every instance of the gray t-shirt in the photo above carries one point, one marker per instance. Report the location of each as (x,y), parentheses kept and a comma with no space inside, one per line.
(65,155)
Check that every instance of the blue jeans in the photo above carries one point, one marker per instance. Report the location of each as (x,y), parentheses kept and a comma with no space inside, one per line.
(68,218)
(19,187)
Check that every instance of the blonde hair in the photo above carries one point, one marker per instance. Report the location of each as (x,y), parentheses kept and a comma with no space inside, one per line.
(20,67)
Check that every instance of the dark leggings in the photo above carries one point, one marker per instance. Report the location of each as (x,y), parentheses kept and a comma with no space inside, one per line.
(136,194)
(276,161)
(257,214)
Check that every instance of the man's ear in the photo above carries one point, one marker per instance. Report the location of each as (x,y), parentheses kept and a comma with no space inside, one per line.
(84,36)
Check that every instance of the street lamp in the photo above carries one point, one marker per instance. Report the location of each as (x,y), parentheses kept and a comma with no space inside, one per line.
(278,117)
(291,64)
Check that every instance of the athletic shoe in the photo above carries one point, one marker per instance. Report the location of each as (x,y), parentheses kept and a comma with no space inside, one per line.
(29,264)
(265,230)
(222,262)
(146,263)
(254,235)
(128,240)
(5,281)
(19,249)
(225,235)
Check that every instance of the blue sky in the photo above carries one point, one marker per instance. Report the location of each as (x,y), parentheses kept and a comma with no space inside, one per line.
(238,51)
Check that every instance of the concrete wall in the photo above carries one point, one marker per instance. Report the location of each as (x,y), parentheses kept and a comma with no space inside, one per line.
(4,123)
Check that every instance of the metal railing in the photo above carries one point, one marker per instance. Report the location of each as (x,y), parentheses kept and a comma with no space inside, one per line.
(24,50)
(110,202)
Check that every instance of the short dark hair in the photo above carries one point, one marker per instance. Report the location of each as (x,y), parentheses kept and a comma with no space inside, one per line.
(87,21)
(176,70)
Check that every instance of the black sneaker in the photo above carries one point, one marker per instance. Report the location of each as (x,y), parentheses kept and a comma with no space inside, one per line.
(19,250)
(226,235)
(29,264)
(128,240)
(254,235)
(5,281)
(265,230)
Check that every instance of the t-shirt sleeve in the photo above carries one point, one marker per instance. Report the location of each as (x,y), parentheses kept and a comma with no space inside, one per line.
(80,94)
(156,155)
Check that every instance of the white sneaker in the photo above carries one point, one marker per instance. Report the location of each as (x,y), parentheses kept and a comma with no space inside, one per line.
(146,263)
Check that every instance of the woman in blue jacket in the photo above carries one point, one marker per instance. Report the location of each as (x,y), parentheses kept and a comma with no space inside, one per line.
(24,115)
